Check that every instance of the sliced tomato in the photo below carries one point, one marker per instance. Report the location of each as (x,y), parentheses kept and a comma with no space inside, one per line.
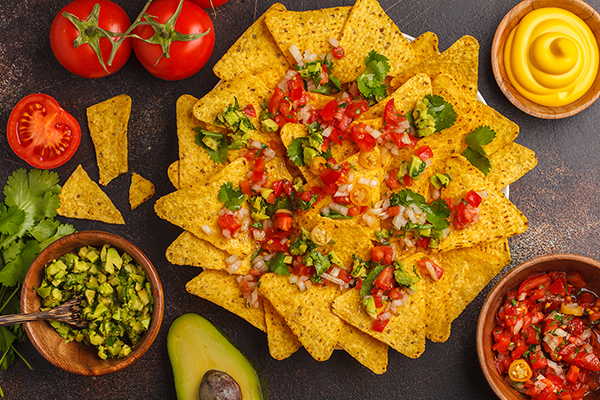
(379,325)
(534,282)
(385,279)
(329,111)
(250,111)
(576,279)
(283,221)
(382,253)
(361,195)
(473,198)
(41,132)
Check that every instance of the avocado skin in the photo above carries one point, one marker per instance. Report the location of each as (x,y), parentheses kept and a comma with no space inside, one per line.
(195,346)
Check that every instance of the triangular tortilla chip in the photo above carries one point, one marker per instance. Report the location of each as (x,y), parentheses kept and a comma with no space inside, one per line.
(222,289)
(510,163)
(425,46)
(82,198)
(282,341)
(108,128)
(365,349)
(308,313)
(369,28)
(460,60)
(308,30)
(195,165)
(141,190)
(173,174)
(253,53)
(188,249)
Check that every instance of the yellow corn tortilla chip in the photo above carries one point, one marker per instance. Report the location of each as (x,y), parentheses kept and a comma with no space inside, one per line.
(246,88)
(82,198)
(404,333)
(195,165)
(510,163)
(405,97)
(254,53)
(466,272)
(196,208)
(141,190)
(173,174)
(308,313)
(425,46)
(308,30)
(188,249)
(108,129)
(282,341)
(498,217)
(506,130)
(222,289)
(365,349)
(460,60)
(369,28)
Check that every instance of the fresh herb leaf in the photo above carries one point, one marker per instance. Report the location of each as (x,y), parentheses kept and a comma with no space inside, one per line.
(475,153)
(367,285)
(336,215)
(277,265)
(295,152)
(317,260)
(437,213)
(442,111)
(233,198)
(404,278)
(370,82)
(215,144)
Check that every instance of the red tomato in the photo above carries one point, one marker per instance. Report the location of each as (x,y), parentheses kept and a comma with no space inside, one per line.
(329,111)
(41,132)
(330,176)
(425,153)
(385,279)
(210,3)
(283,221)
(83,60)
(383,253)
(535,281)
(338,52)
(379,325)
(185,58)
(473,198)
(576,279)
(392,181)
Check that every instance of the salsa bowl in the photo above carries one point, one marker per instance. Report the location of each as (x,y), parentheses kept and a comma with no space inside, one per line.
(77,357)
(587,267)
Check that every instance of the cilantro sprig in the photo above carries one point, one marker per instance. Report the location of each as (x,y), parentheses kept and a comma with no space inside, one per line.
(475,152)
(27,226)
(370,82)
(233,198)
(437,212)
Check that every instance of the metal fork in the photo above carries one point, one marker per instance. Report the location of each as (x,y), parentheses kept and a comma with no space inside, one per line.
(67,312)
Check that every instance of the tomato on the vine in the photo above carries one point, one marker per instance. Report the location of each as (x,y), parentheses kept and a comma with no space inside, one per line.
(76,40)
(41,132)
(182,41)
(210,3)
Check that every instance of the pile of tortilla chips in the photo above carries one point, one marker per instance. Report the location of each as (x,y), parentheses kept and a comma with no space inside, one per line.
(324,317)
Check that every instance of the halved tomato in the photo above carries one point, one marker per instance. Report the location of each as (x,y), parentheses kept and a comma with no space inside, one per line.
(41,132)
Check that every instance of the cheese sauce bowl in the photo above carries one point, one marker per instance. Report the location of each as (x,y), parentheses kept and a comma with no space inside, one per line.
(77,357)
(526,75)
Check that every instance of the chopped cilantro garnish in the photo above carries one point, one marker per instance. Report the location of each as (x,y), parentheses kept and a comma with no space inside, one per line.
(315,259)
(370,82)
(437,212)
(475,153)
(277,265)
(215,144)
(336,215)
(233,198)
(403,278)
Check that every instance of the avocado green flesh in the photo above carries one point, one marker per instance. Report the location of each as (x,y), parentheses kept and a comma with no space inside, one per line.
(196,346)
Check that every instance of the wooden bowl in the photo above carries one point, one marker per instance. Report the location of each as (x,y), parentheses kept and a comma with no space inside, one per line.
(75,357)
(514,16)
(588,267)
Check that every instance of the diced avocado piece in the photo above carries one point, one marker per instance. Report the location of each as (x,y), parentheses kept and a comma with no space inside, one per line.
(80,266)
(69,259)
(44,290)
(265,193)
(308,155)
(196,346)
(439,180)
(143,295)
(416,167)
(269,125)
(99,311)
(369,303)
(92,256)
(105,289)
(89,295)
(335,259)
(114,259)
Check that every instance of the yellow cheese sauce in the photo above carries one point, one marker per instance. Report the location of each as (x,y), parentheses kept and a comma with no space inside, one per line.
(551,57)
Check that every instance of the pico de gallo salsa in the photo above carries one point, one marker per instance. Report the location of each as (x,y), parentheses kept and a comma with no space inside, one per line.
(545,338)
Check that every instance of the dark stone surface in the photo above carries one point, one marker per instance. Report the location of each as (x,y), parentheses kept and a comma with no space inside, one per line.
(560,198)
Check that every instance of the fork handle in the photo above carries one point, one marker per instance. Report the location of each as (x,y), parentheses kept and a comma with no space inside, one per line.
(14,319)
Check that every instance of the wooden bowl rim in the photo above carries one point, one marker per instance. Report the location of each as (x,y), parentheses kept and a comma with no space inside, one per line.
(510,20)
(33,279)
(504,284)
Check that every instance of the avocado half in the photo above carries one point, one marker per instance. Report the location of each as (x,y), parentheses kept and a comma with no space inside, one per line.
(195,346)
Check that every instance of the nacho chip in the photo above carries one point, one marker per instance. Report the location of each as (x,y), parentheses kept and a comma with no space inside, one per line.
(365,349)
(195,165)
(460,60)
(188,249)
(466,272)
(308,30)
(369,28)
(425,46)
(506,130)
(108,129)
(141,190)
(404,333)
(222,289)
(247,89)
(498,217)
(254,53)
(510,163)
(173,174)
(82,198)
(282,341)
(405,97)
(195,209)
(308,313)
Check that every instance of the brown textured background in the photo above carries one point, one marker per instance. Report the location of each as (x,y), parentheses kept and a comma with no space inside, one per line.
(560,198)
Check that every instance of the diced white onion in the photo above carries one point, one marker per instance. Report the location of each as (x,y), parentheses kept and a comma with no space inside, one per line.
(207,229)
(259,235)
(231,259)
(295,52)
(373,132)
(255,144)
(325,210)
(483,194)
(333,41)
(269,154)
(327,131)
(293,279)
(369,220)
(233,268)
(333,279)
